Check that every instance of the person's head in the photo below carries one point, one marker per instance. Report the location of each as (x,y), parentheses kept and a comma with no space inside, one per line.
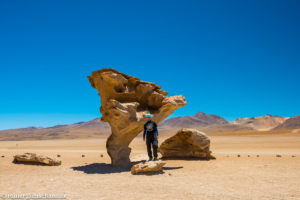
(149,116)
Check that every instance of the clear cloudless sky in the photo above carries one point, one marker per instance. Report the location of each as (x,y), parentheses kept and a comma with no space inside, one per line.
(230,58)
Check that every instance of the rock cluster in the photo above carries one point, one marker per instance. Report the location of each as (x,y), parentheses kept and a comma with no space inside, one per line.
(125,102)
(186,143)
(32,158)
(148,167)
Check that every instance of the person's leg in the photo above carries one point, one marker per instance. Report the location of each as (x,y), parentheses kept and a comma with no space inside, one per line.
(155,146)
(148,142)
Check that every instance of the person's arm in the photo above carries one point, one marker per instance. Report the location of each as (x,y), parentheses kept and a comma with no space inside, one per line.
(156,132)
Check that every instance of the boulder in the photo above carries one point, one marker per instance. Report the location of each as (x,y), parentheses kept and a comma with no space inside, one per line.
(125,102)
(186,143)
(148,167)
(32,158)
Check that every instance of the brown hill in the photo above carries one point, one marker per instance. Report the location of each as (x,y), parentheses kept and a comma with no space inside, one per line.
(291,123)
(204,122)
(93,128)
(199,120)
(263,123)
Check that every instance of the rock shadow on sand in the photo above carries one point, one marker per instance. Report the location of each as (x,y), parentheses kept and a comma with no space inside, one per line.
(30,163)
(172,168)
(104,168)
(100,168)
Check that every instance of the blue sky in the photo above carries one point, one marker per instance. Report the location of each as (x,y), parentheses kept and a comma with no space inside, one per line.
(231,58)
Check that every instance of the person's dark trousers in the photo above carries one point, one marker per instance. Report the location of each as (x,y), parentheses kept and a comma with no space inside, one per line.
(154,143)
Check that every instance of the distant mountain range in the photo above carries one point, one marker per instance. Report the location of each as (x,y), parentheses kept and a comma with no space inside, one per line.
(291,123)
(264,123)
(90,129)
(211,124)
(199,120)
(204,122)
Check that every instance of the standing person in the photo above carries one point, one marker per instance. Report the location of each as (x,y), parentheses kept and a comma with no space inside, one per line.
(151,133)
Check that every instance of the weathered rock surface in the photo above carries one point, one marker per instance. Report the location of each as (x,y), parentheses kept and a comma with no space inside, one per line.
(186,143)
(148,167)
(32,158)
(125,102)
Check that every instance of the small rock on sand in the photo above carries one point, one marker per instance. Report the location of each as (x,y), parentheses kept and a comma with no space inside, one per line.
(32,158)
(148,167)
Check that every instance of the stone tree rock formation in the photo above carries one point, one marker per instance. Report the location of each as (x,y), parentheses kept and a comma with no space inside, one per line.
(125,102)
(186,143)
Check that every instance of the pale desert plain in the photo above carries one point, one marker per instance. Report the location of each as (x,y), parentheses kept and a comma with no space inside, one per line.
(83,83)
(268,168)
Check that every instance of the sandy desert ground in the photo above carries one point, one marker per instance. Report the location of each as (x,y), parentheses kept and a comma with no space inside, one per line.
(91,177)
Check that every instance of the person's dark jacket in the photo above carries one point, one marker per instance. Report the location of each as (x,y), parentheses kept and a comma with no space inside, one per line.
(150,129)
